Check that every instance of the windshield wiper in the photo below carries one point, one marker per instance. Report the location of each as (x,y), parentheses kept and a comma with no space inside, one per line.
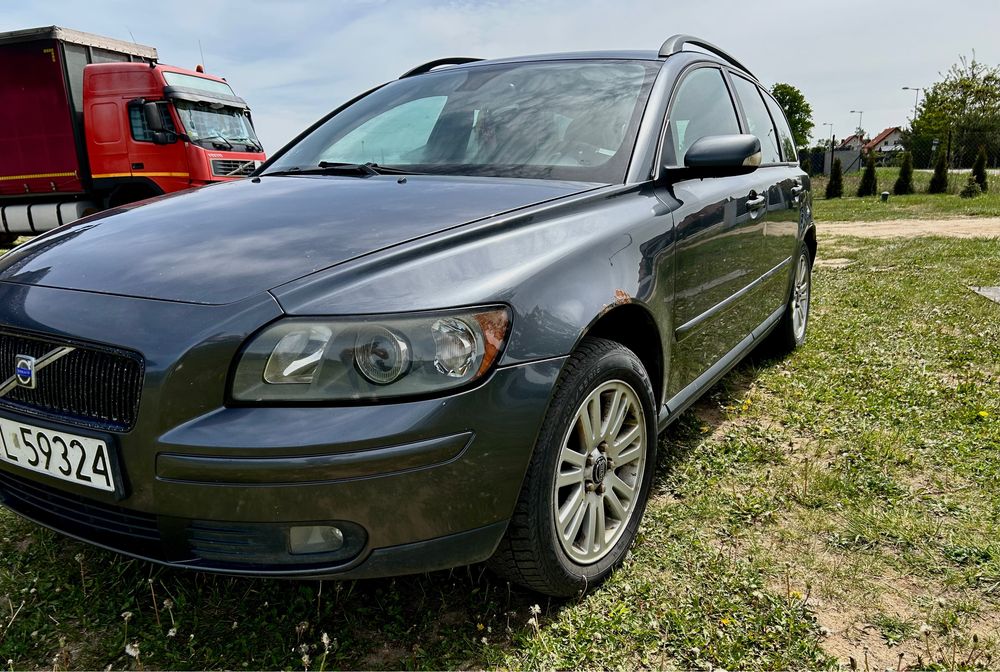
(339,168)
(248,142)
(228,144)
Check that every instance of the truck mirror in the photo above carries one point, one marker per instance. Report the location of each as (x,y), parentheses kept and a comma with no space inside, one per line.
(164,137)
(153,119)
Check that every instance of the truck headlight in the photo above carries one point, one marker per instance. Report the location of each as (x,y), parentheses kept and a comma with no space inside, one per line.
(366,358)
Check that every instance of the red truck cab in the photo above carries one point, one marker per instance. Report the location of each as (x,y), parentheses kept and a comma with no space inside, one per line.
(154,129)
(90,122)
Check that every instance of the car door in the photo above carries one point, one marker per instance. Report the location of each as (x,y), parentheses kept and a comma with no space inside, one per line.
(165,164)
(782,230)
(717,228)
(778,179)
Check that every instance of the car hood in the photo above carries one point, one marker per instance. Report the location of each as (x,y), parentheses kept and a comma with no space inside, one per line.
(229,241)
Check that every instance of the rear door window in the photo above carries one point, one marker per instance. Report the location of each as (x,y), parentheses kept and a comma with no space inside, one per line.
(788,150)
(758,118)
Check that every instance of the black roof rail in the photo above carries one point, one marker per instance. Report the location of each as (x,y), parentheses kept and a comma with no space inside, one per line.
(676,44)
(430,65)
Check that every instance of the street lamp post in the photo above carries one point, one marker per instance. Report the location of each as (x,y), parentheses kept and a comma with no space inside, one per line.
(861,115)
(916,98)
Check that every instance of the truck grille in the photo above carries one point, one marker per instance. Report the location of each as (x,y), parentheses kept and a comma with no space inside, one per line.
(232,167)
(93,387)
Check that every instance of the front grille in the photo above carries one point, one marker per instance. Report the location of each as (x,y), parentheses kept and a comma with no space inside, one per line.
(79,516)
(232,167)
(89,386)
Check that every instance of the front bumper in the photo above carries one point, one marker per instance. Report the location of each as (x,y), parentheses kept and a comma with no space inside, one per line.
(426,484)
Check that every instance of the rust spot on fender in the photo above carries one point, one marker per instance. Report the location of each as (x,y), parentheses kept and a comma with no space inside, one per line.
(622,297)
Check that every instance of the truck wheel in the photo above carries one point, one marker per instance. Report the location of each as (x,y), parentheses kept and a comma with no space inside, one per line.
(589,478)
(790,333)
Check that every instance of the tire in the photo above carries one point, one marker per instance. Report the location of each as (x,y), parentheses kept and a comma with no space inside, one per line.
(595,475)
(790,332)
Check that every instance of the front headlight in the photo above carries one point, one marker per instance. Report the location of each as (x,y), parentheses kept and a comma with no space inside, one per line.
(379,357)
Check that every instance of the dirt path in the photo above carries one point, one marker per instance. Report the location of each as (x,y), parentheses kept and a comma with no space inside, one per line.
(969,227)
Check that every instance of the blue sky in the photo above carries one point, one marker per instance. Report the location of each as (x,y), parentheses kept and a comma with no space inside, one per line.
(295,60)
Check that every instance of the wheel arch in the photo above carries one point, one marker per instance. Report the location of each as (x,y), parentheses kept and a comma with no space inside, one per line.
(633,326)
(810,240)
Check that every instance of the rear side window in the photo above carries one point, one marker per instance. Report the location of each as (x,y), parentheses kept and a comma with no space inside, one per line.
(758,118)
(784,132)
(702,107)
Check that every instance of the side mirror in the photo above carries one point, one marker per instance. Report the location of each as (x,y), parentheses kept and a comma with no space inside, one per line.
(164,137)
(151,111)
(720,155)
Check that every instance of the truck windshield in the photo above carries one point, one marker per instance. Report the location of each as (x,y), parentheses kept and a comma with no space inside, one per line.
(215,127)
(567,120)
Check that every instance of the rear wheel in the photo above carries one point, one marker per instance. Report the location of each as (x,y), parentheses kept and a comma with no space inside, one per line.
(790,333)
(589,479)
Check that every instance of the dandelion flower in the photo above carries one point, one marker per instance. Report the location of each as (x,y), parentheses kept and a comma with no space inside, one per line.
(132,649)
(172,632)
(480,627)
(168,603)
(925,629)
(127,615)
(535,610)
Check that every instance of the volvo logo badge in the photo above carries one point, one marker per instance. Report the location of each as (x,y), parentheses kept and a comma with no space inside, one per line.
(24,371)
(600,469)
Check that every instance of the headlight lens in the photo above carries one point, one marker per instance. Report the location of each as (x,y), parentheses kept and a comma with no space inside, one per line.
(349,359)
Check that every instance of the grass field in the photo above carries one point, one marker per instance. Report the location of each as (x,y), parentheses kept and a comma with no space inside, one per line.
(842,503)
(920,205)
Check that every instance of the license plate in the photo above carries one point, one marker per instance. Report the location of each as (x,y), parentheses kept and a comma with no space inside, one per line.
(78,459)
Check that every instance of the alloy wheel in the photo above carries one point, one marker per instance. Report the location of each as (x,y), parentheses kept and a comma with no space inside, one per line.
(600,470)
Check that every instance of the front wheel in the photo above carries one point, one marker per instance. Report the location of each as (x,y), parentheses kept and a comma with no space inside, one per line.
(589,478)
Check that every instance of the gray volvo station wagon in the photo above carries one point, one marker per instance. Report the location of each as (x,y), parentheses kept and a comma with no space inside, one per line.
(443,325)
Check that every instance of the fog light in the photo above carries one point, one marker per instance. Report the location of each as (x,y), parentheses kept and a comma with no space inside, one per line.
(315,539)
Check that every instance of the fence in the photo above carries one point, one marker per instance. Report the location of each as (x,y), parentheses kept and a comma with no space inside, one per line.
(959,147)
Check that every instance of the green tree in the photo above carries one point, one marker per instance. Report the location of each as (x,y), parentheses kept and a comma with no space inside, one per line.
(835,187)
(971,188)
(904,183)
(869,181)
(979,170)
(939,182)
(798,111)
(963,110)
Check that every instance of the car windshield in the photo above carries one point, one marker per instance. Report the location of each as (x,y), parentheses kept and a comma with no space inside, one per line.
(566,120)
(215,127)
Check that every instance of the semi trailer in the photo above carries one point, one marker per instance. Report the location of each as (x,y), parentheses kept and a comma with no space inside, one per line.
(88,123)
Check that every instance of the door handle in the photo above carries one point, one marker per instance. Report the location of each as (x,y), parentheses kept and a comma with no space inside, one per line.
(797,194)
(138,166)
